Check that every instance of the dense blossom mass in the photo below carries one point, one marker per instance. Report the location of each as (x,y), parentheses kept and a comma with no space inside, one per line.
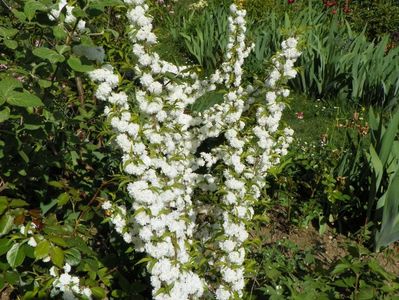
(190,204)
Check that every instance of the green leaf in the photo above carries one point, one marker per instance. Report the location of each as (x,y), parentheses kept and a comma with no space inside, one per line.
(57,256)
(73,256)
(367,293)
(340,268)
(62,199)
(377,166)
(7,85)
(30,8)
(44,83)
(389,231)
(12,277)
(389,137)
(50,55)
(4,114)
(46,207)
(42,249)
(11,44)
(75,63)
(23,156)
(101,4)
(61,49)
(56,184)
(23,99)
(16,255)
(98,292)
(6,223)
(59,32)
(19,14)
(18,203)
(78,12)
(8,32)
(5,245)
(3,204)
(57,240)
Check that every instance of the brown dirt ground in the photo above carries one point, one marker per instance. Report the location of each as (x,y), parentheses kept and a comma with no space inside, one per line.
(330,246)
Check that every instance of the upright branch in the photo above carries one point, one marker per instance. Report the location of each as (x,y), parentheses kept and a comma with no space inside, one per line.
(173,185)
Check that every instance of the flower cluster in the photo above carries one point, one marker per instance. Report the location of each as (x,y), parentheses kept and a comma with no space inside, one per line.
(64,283)
(68,285)
(174,185)
(69,18)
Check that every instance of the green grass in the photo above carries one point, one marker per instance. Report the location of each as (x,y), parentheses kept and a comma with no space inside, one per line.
(321,119)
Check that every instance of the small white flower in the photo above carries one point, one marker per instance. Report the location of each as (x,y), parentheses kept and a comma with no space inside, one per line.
(32,242)
(106,205)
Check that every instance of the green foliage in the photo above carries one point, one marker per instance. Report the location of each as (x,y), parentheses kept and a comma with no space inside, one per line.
(202,34)
(289,272)
(378,17)
(336,61)
(384,164)
(55,169)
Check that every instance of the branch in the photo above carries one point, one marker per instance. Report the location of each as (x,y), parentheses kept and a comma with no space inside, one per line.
(6,5)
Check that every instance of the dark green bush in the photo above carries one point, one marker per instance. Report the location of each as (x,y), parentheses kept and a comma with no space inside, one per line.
(56,164)
(379,18)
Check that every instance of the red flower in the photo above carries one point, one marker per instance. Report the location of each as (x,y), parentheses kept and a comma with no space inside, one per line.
(330,3)
(291,1)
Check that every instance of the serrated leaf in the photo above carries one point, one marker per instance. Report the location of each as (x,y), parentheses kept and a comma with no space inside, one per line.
(16,255)
(42,249)
(49,54)
(23,99)
(75,63)
(57,256)
(4,114)
(340,268)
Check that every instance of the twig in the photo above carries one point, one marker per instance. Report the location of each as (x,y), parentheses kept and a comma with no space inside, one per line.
(6,5)
(79,86)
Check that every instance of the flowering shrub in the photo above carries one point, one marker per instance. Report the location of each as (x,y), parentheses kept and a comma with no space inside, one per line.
(191,207)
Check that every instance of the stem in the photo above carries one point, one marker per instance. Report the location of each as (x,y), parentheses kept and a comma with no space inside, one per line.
(6,5)
(79,86)
(83,212)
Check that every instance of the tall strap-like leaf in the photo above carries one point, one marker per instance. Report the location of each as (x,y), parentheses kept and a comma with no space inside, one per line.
(389,137)
(389,231)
